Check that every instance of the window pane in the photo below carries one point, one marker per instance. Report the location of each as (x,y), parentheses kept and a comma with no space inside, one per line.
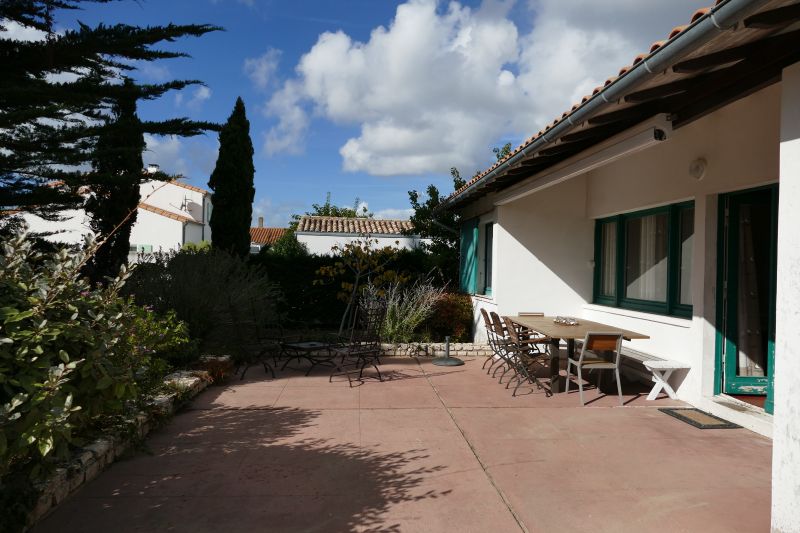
(608,259)
(687,238)
(487,267)
(646,258)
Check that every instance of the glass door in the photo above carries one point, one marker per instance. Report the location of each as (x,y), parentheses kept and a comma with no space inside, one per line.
(748,291)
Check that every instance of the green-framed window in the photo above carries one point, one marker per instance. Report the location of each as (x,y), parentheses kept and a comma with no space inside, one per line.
(488,239)
(643,260)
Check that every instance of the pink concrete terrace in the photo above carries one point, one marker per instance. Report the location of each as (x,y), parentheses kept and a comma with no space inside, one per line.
(429,449)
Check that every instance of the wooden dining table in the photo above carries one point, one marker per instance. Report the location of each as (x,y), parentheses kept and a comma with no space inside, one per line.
(545,325)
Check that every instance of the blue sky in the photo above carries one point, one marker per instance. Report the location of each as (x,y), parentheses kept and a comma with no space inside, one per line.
(371,98)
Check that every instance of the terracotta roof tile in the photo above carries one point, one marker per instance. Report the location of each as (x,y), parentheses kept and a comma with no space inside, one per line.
(266,235)
(372,226)
(190,187)
(165,213)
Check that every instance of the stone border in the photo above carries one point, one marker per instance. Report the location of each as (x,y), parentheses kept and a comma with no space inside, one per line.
(92,459)
(436,349)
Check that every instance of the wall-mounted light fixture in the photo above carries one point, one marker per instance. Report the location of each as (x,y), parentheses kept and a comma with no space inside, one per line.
(697,168)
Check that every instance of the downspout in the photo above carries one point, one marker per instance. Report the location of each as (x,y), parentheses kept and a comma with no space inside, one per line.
(722,17)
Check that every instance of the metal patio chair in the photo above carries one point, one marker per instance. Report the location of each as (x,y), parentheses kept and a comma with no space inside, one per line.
(244,339)
(525,356)
(590,358)
(495,343)
(363,347)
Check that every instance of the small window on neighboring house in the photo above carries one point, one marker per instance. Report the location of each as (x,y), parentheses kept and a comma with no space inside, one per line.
(653,249)
(488,243)
(141,248)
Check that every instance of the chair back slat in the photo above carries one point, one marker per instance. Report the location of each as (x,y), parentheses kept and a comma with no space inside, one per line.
(497,324)
(511,329)
(602,343)
(486,320)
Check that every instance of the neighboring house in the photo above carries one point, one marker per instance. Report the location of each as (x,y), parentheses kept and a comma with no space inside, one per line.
(261,236)
(170,214)
(653,205)
(320,234)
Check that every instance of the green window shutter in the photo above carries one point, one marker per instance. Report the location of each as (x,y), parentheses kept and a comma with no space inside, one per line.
(469,256)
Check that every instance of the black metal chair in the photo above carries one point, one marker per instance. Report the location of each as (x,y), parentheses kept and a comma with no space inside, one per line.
(362,348)
(245,340)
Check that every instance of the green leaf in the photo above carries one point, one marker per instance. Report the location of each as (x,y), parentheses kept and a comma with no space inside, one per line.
(19,316)
(64,356)
(45,445)
(104,382)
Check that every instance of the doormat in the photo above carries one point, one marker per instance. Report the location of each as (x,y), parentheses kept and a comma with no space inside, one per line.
(699,419)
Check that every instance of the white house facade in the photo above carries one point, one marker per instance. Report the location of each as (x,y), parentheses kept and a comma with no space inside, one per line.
(668,203)
(170,214)
(320,234)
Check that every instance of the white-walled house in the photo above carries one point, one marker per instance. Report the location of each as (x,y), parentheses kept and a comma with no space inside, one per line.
(170,214)
(668,203)
(320,233)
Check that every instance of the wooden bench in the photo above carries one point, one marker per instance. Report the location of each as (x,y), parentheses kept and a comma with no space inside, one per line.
(660,370)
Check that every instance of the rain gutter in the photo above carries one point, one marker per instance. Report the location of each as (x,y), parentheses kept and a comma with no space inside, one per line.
(722,17)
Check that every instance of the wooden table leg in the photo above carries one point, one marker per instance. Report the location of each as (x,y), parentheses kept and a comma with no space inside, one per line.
(555,367)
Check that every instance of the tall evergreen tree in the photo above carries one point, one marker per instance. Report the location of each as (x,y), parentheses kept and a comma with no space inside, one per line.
(49,129)
(115,192)
(232,183)
(117,171)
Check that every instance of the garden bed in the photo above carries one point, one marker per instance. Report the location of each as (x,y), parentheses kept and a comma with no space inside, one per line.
(87,463)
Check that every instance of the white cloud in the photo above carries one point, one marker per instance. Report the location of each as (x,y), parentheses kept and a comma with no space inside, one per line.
(153,71)
(192,157)
(200,95)
(275,215)
(17,32)
(261,69)
(442,83)
(167,152)
(397,214)
(288,135)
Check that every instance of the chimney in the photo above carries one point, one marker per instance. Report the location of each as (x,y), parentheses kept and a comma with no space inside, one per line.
(260,222)
(152,168)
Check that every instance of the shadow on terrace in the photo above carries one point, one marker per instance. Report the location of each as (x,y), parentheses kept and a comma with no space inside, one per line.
(250,469)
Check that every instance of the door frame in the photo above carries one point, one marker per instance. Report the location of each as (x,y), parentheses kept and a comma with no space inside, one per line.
(721,337)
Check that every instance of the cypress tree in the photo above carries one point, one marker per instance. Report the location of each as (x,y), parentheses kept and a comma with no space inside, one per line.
(115,188)
(232,185)
(49,129)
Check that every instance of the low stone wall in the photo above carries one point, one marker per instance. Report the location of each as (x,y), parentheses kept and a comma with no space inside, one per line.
(436,349)
(87,463)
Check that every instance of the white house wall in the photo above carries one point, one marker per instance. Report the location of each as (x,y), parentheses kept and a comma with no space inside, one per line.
(193,233)
(71,230)
(173,198)
(321,244)
(160,232)
(786,449)
(545,241)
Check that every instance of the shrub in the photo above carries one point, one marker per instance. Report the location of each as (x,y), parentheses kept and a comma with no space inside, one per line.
(407,307)
(287,245)
(70,353)
(452,315)
(203,289)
